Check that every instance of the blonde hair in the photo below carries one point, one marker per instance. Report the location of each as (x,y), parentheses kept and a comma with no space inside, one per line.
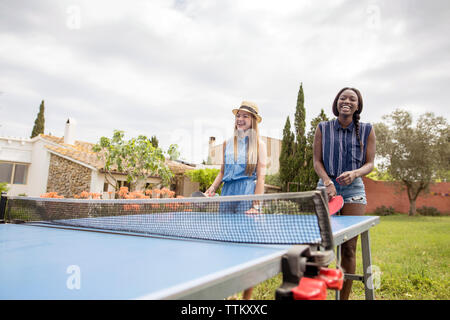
(251,156)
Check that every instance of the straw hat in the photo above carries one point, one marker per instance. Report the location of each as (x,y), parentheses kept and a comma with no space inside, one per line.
(249,107)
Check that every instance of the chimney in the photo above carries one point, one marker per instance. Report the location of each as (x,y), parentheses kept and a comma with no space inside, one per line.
(69,132)
(212,140)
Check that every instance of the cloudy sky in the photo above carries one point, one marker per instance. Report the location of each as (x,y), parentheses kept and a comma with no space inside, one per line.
(176,68)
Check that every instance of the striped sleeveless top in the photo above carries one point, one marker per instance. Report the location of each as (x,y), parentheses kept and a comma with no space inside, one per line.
(341,150)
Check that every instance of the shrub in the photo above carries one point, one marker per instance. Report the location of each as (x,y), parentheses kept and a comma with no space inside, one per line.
(428,211)
(384,211)
(285,207)
(4,187)
(205,177)
(274,180)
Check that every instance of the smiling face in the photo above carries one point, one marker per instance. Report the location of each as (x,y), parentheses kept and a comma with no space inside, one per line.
(243,120)
(347,103)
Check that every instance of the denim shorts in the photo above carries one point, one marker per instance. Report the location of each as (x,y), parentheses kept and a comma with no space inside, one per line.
(353,193)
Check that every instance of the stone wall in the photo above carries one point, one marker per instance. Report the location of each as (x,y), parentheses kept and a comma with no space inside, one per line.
(67,178)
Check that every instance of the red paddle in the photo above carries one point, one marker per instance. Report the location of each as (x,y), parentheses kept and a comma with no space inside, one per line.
(335,204)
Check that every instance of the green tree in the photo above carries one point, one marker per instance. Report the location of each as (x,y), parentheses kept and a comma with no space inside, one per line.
(287,173)
(137,158)
(205,177)
(311,178)
(416,155)
(39,123)
(154,141)
(274,180)
(173,152)
(379,175)
(299,162)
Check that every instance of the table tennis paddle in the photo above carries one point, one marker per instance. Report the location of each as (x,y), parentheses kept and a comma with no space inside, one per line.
(335,204)
(198,194)
(199,206)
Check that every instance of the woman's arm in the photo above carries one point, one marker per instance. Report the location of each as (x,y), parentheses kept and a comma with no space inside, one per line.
(318,164)
(260,177)
(212,189)
(261,168)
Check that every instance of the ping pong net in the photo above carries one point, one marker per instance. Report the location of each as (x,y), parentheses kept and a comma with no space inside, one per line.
(289,218)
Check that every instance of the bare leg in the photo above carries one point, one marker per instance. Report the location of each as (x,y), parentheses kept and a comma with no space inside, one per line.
(247,295)
(348,248)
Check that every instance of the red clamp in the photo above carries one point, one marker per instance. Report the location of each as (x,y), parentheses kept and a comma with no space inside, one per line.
(333,278)
(310,289)
(303,278)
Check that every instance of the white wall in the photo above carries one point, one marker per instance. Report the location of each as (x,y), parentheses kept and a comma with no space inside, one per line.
(17,150)
(38,174)
(33,153)
(97,181)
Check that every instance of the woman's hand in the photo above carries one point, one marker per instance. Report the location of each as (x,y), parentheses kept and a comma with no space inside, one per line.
(210,192)
(331,190)
(346,178)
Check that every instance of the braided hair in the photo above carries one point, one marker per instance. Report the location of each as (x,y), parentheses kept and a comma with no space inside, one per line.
(356,115)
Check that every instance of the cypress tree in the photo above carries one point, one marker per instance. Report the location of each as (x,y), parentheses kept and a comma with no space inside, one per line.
(300,116)
(286,171)
(154,141)
(311,177)
(39,123)
(300,145)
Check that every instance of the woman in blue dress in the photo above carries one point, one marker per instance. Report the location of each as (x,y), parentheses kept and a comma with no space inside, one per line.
(243,168)
(344,152)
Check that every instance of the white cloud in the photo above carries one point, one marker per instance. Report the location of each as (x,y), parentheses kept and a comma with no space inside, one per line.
(176,69)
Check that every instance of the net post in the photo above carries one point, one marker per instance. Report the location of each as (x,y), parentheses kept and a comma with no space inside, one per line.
(323,216)
(323,192)
(3,207)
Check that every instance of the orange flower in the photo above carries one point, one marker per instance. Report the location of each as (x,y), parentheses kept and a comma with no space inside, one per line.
(95,195)
(51,195)
(84,195)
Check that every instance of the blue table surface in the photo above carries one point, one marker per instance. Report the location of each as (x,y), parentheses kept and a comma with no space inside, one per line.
(34,261)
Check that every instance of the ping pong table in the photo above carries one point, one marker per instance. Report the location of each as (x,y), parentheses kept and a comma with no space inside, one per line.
(43,262)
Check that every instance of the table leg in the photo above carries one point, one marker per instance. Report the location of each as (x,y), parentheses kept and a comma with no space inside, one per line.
(367,266)
(338,261)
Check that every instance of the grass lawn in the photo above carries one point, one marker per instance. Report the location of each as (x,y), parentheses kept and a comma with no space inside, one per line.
(412,254)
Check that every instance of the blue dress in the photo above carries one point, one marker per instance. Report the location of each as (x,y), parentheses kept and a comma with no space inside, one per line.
(236,182)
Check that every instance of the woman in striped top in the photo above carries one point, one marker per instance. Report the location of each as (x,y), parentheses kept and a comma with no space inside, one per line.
(344,151)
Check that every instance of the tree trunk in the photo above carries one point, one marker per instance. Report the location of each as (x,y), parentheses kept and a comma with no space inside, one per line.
(138,185)
(412,207)
(413,193)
